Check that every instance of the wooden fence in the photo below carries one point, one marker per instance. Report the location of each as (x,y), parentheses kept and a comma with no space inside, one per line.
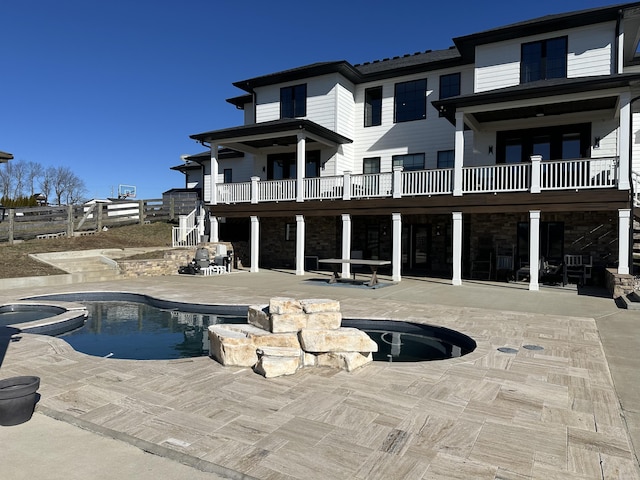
(73,220)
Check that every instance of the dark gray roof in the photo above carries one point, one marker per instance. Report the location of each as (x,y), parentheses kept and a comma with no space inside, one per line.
(409,63)
(5,156)
(274,130)
(548,23)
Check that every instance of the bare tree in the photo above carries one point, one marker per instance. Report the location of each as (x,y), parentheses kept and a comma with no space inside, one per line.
(33,171)
(5,180)
(46,182)
(18,174)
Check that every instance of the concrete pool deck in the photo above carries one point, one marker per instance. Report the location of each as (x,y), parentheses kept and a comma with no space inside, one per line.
(570,411)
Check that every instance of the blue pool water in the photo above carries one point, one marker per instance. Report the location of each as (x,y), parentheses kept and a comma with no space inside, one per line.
(137,327)
(139,331)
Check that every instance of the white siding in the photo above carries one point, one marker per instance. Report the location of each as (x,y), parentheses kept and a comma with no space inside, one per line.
(590,53)
(321,100)
(426,136)
(241,169)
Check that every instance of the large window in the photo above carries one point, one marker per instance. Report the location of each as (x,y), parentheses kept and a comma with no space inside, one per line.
(373,107)
(293,101)
(409,162)
(411,101)
(446,158)
(543,60)
(564,142)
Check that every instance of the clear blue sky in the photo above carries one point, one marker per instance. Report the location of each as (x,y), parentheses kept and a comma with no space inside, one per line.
(113,88)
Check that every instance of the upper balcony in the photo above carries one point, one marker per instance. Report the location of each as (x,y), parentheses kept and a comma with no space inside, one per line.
(533,177)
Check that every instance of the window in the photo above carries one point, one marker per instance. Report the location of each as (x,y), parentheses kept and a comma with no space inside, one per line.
(283,165)
(371,165)
(446,158)
(411,101)
(409,162)
(449,85)
(293,101)
(227,175)
(543,60)
(373,107)
(563,142)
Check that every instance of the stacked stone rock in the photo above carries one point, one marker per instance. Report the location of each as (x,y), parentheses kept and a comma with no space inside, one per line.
(290,334)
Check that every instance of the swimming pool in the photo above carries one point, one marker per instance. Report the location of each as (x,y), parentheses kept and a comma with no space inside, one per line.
(140,327)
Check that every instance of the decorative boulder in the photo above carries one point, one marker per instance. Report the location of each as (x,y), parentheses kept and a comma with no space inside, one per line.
(282,305)
(317,305)
(231,347)
(340,340)
(277,361)
(288,322)
(348,361)
(258,315)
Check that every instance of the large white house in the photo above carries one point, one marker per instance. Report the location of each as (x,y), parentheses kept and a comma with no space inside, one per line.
(514,148)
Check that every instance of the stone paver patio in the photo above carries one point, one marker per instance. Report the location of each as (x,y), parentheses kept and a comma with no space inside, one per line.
(536,414)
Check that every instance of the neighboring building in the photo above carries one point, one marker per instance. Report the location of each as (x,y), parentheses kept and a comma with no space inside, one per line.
(5,157)
(515,147)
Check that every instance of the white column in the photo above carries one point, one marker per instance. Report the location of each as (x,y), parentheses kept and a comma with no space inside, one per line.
(457,249)
(534,249)
(215,232)
(300,244)
(624,142)
(300,167)
(255,243)
(624,228)
(346,244)
(459,155)
(214,173)
(396,253)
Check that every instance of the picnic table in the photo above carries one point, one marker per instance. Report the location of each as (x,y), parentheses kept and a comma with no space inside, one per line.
(336,263)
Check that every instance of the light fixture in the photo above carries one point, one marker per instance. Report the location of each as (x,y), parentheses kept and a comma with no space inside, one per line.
(596,142)
(490,149)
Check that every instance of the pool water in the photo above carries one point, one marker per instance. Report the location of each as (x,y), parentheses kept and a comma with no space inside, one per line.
(14,314)
(138,331)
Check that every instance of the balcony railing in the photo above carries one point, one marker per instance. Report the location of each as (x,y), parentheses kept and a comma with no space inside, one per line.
(521,177)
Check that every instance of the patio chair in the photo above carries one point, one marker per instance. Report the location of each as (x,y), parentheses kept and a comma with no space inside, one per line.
(574,268)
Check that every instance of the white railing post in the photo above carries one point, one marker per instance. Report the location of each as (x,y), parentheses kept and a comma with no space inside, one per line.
(536,176)
(346,186)
(397,181)
(254,189)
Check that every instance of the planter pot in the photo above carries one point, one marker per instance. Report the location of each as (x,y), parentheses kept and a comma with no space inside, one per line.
(17,399)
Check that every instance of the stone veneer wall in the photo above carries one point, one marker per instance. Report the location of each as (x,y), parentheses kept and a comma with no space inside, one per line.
(167,265)
(619,285)
(321,238)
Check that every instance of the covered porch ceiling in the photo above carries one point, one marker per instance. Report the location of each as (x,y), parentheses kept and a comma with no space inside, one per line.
(539,99)
(260,137)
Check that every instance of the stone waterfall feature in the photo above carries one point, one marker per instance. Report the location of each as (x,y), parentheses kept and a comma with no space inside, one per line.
(290,334)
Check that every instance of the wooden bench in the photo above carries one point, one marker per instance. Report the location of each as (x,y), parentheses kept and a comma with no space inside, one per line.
(336,264)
